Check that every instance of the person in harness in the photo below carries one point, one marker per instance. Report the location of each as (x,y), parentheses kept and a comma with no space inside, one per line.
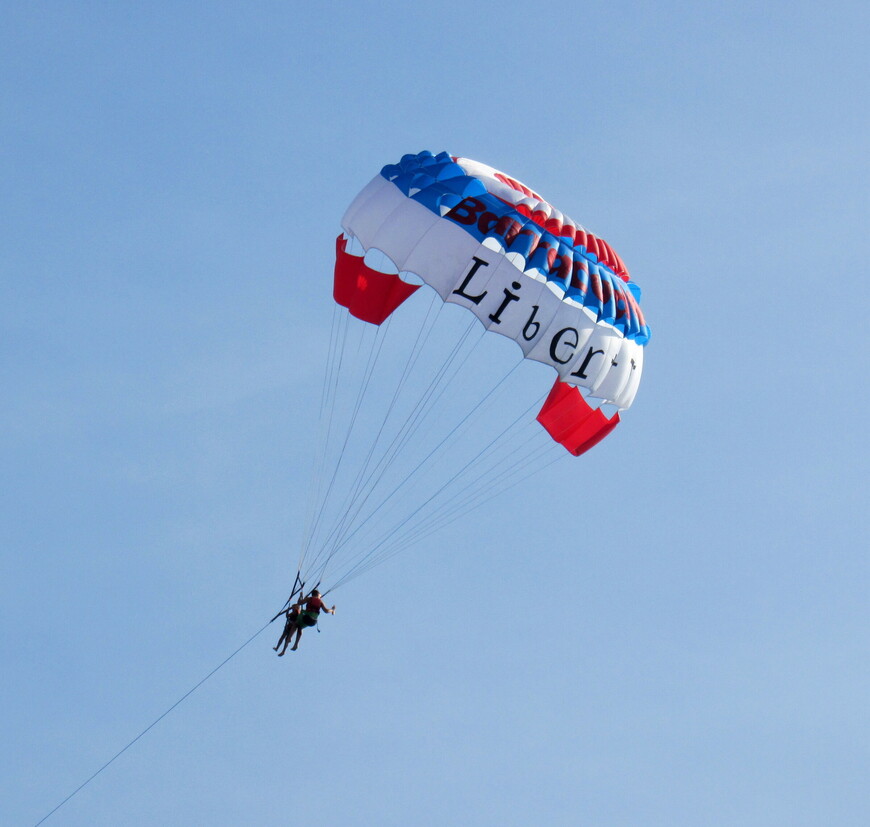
(291,613)
(306,614)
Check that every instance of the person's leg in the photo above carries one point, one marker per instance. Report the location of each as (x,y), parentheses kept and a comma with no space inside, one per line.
(285,633)
(298,636)
(288,633)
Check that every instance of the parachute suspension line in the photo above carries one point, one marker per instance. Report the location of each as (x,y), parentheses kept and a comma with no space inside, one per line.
(328,547)
(326,407)
(431,522)
(333,377)
(426,404)
(397,544)
(321,498)
(338,387)
(374,352)
(400,439)
(422,400)
(422,340)
(412,358)
(556,453)
(412,422)
(486,491)
(423,462)
(432,453)
(420,410)
(416,534)
(390,536)
(354,349)
(154,723)
(329,361)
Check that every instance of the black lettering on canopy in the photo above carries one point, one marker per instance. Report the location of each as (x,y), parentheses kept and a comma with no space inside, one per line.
(460,291)
(532,327)
(580,373)
(557,340)
(509,297)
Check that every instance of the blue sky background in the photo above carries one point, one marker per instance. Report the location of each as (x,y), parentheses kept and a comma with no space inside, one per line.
(671,630)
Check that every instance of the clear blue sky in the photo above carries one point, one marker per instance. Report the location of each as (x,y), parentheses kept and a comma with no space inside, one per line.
(690,648)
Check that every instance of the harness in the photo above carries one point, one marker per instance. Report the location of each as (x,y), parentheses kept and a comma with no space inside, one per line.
(312,616)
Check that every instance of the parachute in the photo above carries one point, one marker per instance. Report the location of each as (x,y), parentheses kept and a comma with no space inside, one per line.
(478,241)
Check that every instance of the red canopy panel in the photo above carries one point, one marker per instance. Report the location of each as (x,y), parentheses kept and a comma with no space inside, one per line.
(366,293)
(571,421)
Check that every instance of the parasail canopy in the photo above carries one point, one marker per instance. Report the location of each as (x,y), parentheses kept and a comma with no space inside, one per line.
(527,271)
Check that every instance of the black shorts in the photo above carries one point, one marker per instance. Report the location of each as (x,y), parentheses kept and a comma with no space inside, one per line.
(307,619)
